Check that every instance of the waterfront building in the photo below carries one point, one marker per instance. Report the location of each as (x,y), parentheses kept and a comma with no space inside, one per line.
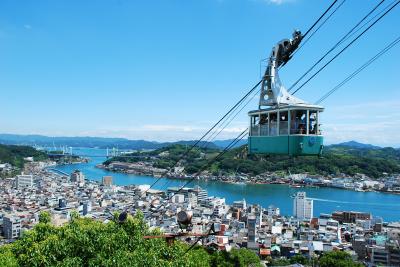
(11,227)
(202,194)
(77,177)
(107,180)
(241,204)
(302,206)
(273,211)
(350,216)
(24,181)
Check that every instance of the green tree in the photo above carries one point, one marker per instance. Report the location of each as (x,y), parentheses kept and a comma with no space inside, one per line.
(299,259)
(236,257)
(87,242)
(337,259)
(44,217)
(280,262)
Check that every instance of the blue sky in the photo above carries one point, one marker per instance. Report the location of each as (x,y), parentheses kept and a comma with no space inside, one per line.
(167,70)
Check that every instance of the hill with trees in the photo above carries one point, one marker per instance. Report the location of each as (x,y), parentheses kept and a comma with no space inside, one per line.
(337,159)
(15,154)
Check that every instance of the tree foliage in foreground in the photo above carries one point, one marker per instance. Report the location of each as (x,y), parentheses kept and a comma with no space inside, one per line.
(86,242)
(337,259)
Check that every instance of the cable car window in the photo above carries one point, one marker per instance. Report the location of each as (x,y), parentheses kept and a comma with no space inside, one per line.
(254,125)
(313,122)
(283,123)
(264,125)
(298,123)
(273,124)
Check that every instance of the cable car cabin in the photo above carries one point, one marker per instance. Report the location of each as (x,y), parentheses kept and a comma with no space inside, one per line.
(292,130)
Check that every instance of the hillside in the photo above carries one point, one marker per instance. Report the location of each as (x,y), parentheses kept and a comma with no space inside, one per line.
(336,160)
(15,154)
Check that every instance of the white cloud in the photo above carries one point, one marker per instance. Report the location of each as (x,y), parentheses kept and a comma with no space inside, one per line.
(383,133)
(278,2)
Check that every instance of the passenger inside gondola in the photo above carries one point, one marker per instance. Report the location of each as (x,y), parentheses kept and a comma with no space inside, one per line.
(298,123)
(313,122)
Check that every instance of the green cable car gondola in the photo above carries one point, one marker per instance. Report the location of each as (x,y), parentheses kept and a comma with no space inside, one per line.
(283,124)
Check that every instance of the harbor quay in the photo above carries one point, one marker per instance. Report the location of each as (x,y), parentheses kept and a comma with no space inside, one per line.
(264,230)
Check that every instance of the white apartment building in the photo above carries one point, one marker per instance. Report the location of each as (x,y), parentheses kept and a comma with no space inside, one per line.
(302,206)
(23,181)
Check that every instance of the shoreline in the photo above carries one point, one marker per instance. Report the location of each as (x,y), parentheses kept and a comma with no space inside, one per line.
(228,180)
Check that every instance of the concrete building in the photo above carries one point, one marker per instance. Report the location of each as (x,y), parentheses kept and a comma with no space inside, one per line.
(302,206)
(252,228)
(178,198)
(77,177)
(273,211)
(350,216)
(240,204)
(202,194)
(24,181)
(11,227)
(107,180)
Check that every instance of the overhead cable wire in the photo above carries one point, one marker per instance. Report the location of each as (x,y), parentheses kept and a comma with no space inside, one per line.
(371,19)
(347,46)
(211,129)
(310,29)
(345,37)
(316,22)
(361,68)
(230,112)
(217,133)
(316,30)
(209,163)
(226,149)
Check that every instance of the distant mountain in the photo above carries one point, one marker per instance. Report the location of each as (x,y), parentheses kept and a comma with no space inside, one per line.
(355,144)
(123,143)
(225,143)
(101,142)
